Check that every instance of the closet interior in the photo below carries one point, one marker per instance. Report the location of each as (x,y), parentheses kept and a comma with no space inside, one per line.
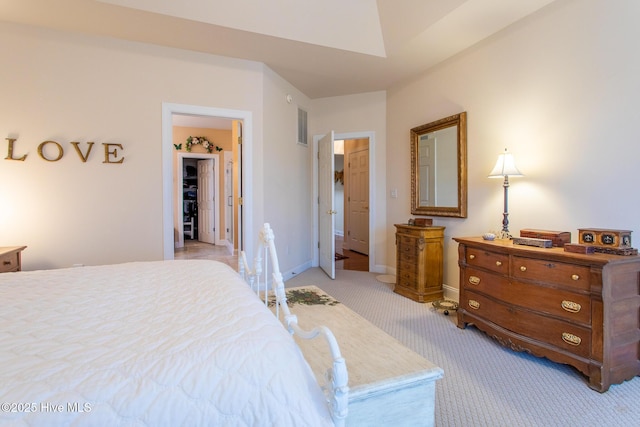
(190,198)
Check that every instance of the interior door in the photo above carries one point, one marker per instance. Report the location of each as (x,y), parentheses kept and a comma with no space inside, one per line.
(326,212)
(358,203)
(206,200)
(228,198)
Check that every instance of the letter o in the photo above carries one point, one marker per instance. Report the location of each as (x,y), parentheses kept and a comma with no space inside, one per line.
(60,151)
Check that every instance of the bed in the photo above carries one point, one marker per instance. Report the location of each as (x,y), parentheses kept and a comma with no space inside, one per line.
(167,343)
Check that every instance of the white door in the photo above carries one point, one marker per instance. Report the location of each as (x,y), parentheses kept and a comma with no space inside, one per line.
(358,203)
(228,199)
(206,200)
(326,207)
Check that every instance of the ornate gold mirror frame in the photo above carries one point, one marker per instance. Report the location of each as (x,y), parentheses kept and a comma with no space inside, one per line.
(439,167)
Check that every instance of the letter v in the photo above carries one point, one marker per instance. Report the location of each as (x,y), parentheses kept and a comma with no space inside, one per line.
(79,151)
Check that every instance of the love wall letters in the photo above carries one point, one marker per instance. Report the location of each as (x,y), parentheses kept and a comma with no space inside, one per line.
(51,151)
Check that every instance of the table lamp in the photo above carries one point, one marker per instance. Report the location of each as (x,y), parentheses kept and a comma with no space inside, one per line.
(505,167)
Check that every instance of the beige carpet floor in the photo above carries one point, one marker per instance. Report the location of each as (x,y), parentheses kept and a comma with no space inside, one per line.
(484,384)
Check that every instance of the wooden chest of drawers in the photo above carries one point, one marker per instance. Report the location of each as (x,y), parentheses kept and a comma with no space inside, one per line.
(579,309)
(419,255)
(10,258)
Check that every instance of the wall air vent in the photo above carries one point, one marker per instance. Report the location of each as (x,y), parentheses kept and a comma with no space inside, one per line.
(302,127)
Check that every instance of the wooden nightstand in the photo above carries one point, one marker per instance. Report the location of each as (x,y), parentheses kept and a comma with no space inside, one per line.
(419,262)
(10,258)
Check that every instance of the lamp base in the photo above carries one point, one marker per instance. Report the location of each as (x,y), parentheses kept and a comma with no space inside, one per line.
(504,235)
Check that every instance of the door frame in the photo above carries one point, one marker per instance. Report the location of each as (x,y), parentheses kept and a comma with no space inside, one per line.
(179,194)
(372,200)
(245,225)
(227,157)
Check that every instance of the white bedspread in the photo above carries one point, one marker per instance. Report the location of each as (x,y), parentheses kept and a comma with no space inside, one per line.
(169,343)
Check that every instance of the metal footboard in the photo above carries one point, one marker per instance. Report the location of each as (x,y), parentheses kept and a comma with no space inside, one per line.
(336,377)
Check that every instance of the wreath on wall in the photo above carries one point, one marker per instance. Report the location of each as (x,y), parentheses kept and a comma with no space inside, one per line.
(201,140)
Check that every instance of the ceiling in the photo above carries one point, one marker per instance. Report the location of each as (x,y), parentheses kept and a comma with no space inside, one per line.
(323,47)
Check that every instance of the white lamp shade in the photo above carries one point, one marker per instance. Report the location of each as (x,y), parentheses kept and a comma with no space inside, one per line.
(505,166)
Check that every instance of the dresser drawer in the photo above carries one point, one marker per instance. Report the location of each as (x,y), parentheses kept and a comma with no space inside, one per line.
(489,260)
(9,262)
(483,281)
(569,275)
(565,335)
(407,240)
(556,302)
(408,246)
(407,255)
(408,265)
(571,306)
(408,268)
(407,281)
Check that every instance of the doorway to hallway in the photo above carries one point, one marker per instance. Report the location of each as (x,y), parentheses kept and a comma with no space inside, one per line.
(323,235)
(243,130)
(196,212)
(351,200)
(349,260)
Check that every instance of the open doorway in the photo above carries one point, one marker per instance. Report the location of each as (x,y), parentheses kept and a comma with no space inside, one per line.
(200,142)
(351,196)
(366,215)
(240,123)
(198,190)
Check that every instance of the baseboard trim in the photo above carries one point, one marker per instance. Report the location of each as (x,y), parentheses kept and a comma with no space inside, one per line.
(296,270)
(451,293)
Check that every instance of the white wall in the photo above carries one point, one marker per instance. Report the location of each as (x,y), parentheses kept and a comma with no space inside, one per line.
(560,91)
(557,89)
(65,87)
(286,170)
(362,113)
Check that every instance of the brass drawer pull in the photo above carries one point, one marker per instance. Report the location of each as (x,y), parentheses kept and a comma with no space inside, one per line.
(523,268)
(6,263)
(472,256)
(474,280)
(571,339)
(575,277)
(474,304)
(498,263)
(570,306)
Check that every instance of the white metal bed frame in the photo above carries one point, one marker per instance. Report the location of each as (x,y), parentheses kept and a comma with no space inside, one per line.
(336,387)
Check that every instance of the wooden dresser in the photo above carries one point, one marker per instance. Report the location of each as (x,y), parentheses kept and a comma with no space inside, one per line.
(419,255)
(579,309)
(10,258)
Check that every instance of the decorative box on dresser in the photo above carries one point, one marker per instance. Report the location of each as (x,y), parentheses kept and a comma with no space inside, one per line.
(578,309)
(10,258)
(419,262)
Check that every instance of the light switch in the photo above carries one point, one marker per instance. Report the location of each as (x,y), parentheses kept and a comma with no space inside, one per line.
(394,193)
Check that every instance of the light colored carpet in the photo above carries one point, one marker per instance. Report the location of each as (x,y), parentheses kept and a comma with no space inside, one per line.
(484,383)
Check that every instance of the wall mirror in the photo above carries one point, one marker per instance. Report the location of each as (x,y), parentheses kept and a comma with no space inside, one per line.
(439,167)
